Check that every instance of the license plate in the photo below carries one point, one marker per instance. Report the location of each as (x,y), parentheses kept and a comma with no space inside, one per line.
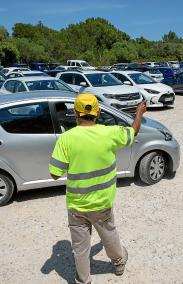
(168,99)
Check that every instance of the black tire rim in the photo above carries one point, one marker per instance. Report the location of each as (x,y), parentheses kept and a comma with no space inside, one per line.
(157,168)
(3,189)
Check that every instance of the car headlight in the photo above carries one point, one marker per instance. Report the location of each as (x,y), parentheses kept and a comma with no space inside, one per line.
(168,135)
(151,91)
(108,96)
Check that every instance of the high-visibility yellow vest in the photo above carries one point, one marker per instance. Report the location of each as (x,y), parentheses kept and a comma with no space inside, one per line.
(88,155)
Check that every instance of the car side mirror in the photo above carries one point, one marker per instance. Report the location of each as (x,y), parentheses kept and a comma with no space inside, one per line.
(127,83)
(83,84)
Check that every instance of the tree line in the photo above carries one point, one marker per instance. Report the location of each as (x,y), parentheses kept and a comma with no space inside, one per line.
(95,40)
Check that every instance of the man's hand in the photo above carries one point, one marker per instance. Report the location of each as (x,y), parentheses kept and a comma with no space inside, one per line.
(141,108)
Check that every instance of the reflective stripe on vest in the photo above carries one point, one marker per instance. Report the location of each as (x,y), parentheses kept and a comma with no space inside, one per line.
(128,136)
(59,164)
(85,190)
(92,174)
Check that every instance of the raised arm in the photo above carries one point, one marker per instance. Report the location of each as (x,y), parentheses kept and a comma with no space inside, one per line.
(141,109)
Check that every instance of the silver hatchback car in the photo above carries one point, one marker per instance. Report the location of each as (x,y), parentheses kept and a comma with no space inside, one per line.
(30,124)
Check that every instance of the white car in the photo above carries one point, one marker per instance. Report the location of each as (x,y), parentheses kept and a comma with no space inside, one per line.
(155,74)
(174,64)
(156,94)
(104,86)
(28,84)
(79,63)
(8,70)
(31,73)
(151,64)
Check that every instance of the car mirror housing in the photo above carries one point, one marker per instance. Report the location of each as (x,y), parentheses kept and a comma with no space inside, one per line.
(83,84)
(127,83)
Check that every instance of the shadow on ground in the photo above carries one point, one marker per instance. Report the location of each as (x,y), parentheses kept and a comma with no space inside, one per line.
(40,193)
(62,261)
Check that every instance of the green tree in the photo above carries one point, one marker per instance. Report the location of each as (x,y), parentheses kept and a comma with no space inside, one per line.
(8,54)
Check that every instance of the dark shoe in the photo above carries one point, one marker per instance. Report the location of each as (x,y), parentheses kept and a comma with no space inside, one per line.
(119,264)
(119,269)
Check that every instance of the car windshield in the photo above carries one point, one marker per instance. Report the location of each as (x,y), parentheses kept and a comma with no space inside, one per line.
(47,85)
(2,78)
(85,64)
(154,71)
(35,74)
(102,80)
(140,78)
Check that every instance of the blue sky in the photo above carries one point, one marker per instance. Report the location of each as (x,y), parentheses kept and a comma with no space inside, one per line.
(148,18)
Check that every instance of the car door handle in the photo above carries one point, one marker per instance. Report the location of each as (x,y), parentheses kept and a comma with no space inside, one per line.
(1,142)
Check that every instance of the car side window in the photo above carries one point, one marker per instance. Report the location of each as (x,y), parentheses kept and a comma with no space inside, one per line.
(27,119)
(121,77)
(78,79)
(67,78)
(19,87)
(10,85)
(65,115)
(109,119)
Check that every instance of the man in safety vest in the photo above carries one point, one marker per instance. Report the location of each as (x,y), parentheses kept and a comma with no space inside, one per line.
(87,153)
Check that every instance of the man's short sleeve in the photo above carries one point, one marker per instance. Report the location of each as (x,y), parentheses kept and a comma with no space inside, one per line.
(59,162)
(124,136)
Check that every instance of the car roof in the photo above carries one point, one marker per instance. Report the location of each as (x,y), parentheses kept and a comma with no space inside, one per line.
(126,72)
(33,78)
(83,72)
(24,96)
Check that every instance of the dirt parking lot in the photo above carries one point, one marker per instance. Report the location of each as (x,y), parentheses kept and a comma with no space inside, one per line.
(35,241)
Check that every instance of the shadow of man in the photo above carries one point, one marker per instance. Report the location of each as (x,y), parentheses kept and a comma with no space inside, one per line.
(62,261)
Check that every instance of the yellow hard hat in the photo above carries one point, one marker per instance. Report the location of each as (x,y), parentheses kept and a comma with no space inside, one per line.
(86,104)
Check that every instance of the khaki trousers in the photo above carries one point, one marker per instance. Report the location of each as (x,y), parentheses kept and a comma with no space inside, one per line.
(80,224)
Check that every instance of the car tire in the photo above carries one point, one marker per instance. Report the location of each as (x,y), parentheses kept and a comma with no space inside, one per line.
(6,189)
(152,168)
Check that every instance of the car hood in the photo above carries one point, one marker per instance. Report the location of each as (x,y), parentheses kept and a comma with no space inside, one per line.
(115,90)
(156,87)
(148,122)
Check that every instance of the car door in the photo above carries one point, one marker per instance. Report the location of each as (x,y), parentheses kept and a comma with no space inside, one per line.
(178,87)
(28,140)
(63,113)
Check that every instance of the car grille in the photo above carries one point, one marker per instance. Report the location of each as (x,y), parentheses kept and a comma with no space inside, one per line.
(167,99)
(127,97)
(130,109)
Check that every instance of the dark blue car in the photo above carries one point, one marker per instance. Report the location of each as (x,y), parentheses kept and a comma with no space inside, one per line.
(176,83)
(168,73)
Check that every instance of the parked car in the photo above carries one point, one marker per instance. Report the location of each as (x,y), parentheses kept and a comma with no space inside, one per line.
(8,70)
(29,84)
(120,66)
(156,94)
(151,64)
(30,126)
(2,79)
(176,83)
(39,66)
(152,72)
(168,72)
(174,64)
(25,74)
(23,65)
(80,63)
(54,72)
(105,86)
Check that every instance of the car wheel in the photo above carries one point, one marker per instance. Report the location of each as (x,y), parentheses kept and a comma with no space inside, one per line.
(152,168)
(6,189)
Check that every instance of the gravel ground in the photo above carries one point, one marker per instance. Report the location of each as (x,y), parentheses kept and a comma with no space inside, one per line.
(35,241)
